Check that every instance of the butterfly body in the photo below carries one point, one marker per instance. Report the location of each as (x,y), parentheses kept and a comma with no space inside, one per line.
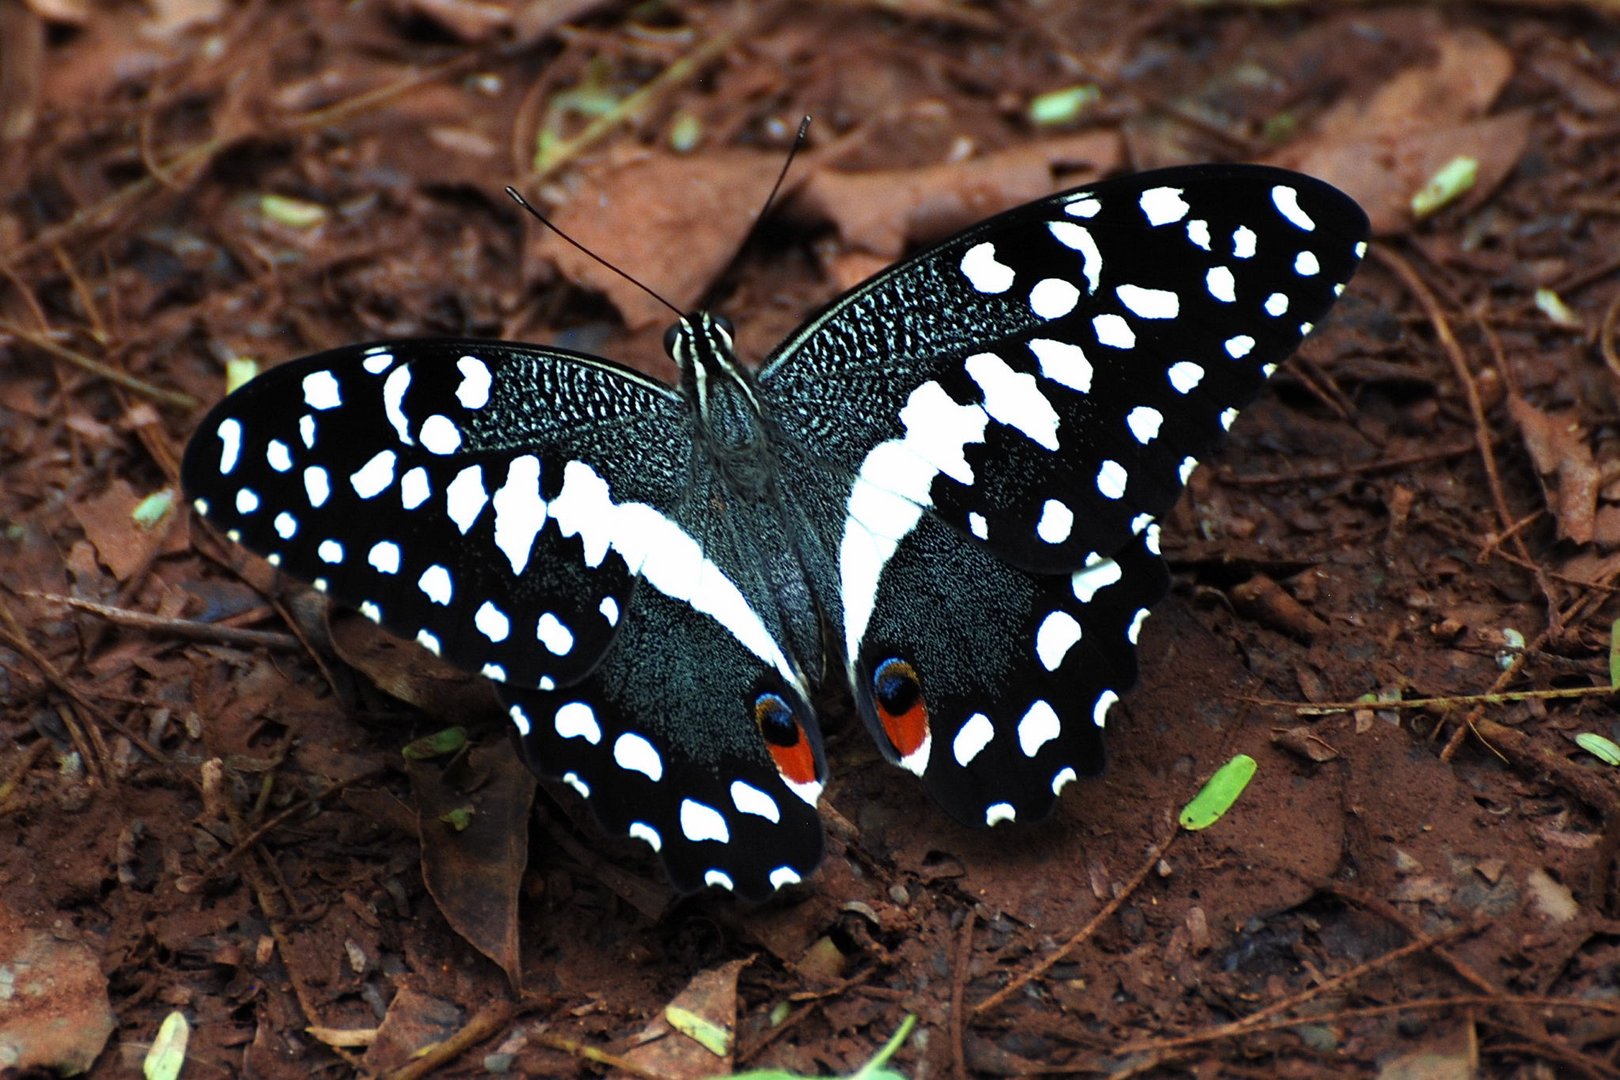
(943,491)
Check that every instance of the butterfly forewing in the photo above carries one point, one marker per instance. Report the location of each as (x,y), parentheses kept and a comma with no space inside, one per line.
(449,490)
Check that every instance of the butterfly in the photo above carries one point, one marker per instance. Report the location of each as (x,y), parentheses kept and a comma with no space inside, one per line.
(943,491)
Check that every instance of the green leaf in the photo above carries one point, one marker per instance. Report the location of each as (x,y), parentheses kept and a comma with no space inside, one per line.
(1450,182)
(1614,655)
(872,1070)
(293,213)
(151,511)
(1061,106)
(168,1053)
(458,819)
(1217,796)
(705,1032)
(1599,747)
(239,371)
(438,744)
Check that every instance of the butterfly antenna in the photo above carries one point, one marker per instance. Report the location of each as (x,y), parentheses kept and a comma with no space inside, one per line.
(548,223)
(793,152)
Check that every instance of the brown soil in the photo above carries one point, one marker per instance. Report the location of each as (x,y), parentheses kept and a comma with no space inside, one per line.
(1425,505)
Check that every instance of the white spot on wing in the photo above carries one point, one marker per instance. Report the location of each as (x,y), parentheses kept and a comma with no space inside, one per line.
(978,526)
(719,879)
(633,753)
(996,813)
(700,822)
(1134,631)
(371,611)
(317,486)
(1112,330)
(984,272)
(1240,346)
(972,737)
(520,719)
(1013,398)
(1198,233)
(1063,362)
(321,390)
(520,512)
(473,393)
(1053,298)
(435,584)
(306,430)
(1057,634)
(1083,206)
(1305,264)
(230,451)
(1111,478)
(278,455)
(464,499)
(384,557)
(414,489)
(1277,305)
(1149,303)
(1144,423)
(748,799)
(1056,522)
(1245,242)
(440,434)
(394,387)
(577,720)
(1080,239)
(1099,711)
(330,551)
(609,608)
(1163,205)
(286,525)
(573,780)
(377,362)
(1286,199)
(551,633)
(1039,726)
(423,638)
(374,476)
(247,500)
(783,876)
(1185,375)
(643,831)
(1098,573)
(1063,778)
(1185,471)
(492,622)
(1222,284)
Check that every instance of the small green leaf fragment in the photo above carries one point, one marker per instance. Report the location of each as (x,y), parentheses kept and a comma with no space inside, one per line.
(1605,750)
(1062,106)
(1614,655)
(168,1053)
(1450,182)
(1216,798)
(872,1070)
(458,819)
(701,1030)
(780,1012)
(438,744)
(685,133)
(239,371)
(1552,305)
(153,510)
(291,212)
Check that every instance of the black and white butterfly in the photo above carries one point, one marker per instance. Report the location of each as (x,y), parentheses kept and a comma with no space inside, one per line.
(944,490)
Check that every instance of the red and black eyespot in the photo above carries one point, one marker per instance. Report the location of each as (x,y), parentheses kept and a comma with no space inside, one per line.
(899,697)
(785,738)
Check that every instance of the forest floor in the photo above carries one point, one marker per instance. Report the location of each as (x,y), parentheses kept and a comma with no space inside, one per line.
(204,809)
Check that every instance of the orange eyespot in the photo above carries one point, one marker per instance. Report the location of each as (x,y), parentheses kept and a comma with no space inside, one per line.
(900,705)
(785,739)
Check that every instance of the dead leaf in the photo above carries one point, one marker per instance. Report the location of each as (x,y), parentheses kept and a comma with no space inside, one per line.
(1558,446)
(664,1052)
(474,873)
(108,522)
(55,1016)
(414,1021)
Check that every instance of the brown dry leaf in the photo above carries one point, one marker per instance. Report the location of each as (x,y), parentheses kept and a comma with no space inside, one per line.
(882,212)
(474,873)
(665,1052)
(1558,447)
(109,524)
(414,1021)
(406,671)
(1383,149)
(674,223)
(55,1016)
(469,21)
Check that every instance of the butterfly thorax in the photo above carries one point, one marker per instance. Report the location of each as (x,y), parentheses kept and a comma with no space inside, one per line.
(730,427)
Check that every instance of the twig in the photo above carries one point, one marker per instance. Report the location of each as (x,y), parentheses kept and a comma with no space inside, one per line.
(190,629)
